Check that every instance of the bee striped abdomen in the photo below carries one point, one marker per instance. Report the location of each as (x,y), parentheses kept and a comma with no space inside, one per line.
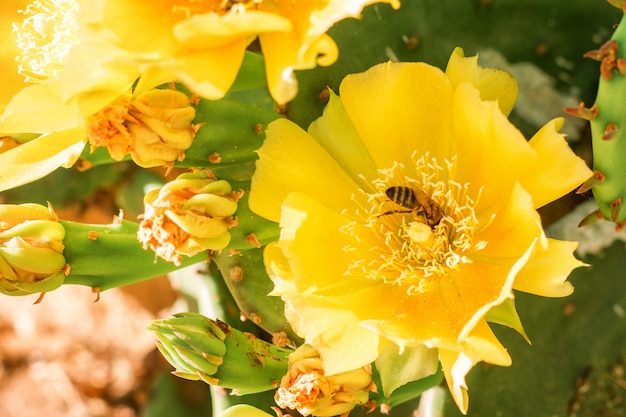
(403,196)
(417,201)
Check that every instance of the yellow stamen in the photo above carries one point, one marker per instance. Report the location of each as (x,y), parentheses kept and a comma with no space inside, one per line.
(45,38)
(400,244)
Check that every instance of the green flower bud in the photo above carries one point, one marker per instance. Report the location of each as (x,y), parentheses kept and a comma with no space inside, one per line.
(214,352)
(188,215)
(31,249)
(307,389)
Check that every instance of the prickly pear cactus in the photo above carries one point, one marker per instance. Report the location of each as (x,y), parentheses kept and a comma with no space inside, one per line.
(608,128)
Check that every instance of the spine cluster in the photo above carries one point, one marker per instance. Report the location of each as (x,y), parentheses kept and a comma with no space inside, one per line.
(608,119)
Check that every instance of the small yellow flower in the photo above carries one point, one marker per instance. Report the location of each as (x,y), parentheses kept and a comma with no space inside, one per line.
(154,127)
(202,44)
(31,249)
(307,389)
(186,216)
(412,215)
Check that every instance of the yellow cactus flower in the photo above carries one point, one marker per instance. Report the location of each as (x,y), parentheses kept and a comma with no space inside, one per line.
(66,75)
(307,389)
(202,44)
(408,214)
(186,216)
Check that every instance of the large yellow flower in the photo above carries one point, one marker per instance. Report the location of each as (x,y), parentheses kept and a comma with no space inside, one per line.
(408,216)
(202,43)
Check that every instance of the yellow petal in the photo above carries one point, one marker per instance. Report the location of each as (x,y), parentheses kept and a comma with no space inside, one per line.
(209,31)
(493,84)
(558,170)
(512,231)
(11,81)
(284,53)
(39,108)
(396,115)
(281,170)
(481,345)
(39,157)
(336,133)
(96,73)
(493,154)
(315,259)
(547,270)
(224,62)
(333,332)
(137,26)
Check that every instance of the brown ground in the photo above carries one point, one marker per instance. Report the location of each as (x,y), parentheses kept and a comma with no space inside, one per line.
(69,356)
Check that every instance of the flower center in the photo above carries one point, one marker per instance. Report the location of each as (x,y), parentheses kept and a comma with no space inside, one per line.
(45,38)
(417,225)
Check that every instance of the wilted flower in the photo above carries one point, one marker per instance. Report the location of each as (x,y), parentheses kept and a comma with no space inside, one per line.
(202,44)
(186,216)
(307,389)
(31,249)
(154,127)
(413,216)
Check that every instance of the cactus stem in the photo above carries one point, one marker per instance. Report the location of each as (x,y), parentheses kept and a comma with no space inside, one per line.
(595,179)
(619,227)
(591,218)
(583,112)
(615,206)
(609,131)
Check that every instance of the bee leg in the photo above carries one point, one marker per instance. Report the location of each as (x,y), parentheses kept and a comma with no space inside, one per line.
(394,211)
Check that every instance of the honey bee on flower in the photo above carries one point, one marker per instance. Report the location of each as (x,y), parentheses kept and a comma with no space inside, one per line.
(414,199)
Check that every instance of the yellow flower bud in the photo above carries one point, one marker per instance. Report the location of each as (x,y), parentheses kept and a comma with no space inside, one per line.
(186,216)
(154,127)
(31,249)
(307,389)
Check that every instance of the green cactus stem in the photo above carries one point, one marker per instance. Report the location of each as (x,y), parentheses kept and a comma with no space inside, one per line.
(245,277)
(608,119)
(108,256)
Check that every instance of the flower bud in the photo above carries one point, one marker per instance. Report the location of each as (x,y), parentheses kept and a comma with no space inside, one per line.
(305,387)
(186,216)
(154,127)
(216,353)
(31,249)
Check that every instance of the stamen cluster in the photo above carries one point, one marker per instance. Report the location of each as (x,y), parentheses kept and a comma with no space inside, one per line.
(396,244)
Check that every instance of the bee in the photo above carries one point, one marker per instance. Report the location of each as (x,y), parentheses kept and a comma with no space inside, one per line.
(415,200)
